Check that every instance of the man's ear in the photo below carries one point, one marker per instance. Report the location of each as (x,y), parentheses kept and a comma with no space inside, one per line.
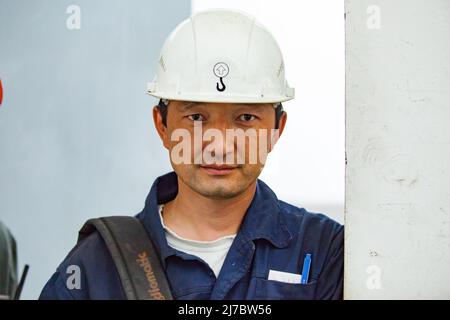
(160,127)
(277,133)
(282,123)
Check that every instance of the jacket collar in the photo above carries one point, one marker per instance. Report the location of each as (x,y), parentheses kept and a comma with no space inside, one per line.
(262,220)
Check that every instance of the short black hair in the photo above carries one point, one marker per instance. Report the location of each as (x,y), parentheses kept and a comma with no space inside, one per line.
(162,107)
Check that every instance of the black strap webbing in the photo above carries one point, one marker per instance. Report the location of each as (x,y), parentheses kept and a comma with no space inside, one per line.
(134,255)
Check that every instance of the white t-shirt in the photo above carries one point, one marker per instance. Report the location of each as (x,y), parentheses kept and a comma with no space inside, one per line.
(212,252)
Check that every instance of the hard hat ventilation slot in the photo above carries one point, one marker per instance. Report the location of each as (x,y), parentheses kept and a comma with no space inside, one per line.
(162,64)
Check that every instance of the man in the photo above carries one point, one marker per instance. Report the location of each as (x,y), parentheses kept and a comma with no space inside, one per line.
(219,232)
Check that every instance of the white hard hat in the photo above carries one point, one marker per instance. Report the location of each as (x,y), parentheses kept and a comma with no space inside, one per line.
(221,56)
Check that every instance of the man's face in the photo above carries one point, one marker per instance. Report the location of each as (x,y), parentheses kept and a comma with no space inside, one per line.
(218,149)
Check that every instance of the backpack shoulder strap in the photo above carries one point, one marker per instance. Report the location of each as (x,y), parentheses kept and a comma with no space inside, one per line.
(134,255)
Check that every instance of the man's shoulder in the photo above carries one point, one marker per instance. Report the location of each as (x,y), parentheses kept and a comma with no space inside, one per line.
(300,221)
(89,263)
(91,249)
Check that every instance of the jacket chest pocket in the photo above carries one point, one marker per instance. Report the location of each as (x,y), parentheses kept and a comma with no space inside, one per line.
(277,290)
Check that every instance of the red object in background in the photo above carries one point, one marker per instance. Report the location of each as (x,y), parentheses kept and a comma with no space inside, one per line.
(1,92)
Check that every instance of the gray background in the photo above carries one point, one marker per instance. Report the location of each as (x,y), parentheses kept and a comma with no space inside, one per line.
(76,132)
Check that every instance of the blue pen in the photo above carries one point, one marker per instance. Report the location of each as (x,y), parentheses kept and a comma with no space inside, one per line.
(306,267)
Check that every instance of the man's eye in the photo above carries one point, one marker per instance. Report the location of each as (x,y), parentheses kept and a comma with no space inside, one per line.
(196,117)
(247,117)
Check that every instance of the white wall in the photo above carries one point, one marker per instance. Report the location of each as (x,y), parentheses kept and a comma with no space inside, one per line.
(307,166)
(398,149)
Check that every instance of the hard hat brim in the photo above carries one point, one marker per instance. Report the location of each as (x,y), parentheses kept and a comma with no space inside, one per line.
(225,98)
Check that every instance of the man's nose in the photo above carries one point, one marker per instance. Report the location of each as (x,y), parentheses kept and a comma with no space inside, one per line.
(222,145)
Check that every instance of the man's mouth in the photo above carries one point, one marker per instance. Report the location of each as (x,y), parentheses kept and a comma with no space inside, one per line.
(218,169)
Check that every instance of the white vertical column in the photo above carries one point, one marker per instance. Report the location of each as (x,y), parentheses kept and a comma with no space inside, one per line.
(398,149)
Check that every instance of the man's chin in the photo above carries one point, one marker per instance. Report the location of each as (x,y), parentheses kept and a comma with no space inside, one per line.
(217,185)
(217,190)
(221,194)
(222,187)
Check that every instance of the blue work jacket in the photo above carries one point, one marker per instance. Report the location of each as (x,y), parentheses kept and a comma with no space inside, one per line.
(274,235)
